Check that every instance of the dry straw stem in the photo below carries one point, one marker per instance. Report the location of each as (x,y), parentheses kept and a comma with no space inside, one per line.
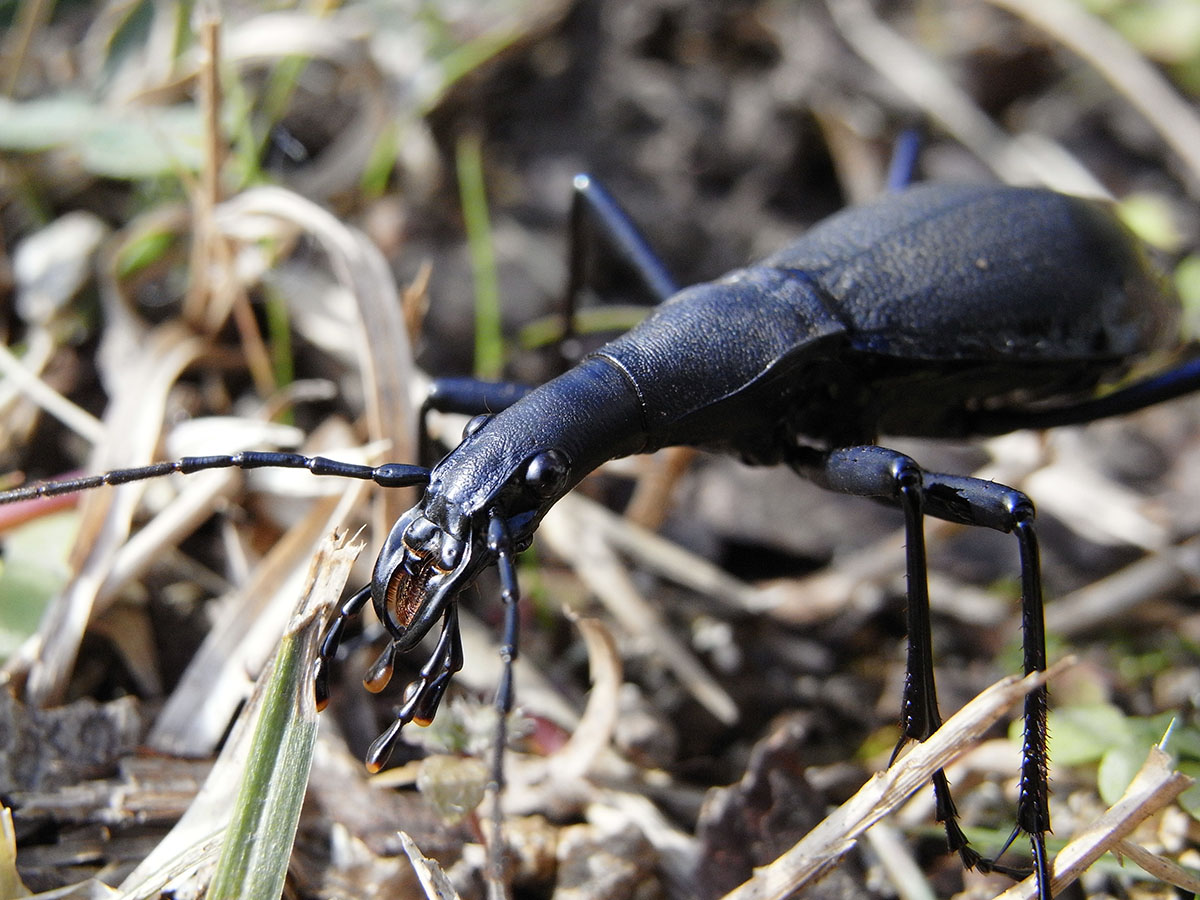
(1126,70)
(244,634)
(570,532)
(600,717)
(1024,159)
(1154,786)
(133,423)
(1169,573)
(1164,870)
(434,882)
(19,378)
(652,551)
(11,885)
(822,847)
(387,367)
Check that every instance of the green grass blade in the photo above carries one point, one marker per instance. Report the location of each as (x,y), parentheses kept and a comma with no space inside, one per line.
(489,344)
(258,842)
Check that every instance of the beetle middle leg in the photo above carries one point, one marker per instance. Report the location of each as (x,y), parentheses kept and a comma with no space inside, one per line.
(877,472)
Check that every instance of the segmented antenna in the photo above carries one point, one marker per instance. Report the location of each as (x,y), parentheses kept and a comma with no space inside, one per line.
(387,475)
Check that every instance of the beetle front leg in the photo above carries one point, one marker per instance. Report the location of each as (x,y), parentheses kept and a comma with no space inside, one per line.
(501,548)
(332,640)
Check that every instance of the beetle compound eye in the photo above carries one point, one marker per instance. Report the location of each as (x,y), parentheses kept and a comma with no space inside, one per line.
(546,473)
(474,425)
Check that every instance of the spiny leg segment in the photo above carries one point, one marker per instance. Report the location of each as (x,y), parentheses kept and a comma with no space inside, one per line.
(873,471)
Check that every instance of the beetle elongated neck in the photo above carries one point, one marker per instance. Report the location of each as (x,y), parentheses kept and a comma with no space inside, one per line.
(715,363)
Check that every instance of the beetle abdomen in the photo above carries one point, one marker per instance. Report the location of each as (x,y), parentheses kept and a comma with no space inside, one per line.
(953,272)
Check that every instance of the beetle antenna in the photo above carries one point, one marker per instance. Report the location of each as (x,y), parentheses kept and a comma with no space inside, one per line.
(387,475)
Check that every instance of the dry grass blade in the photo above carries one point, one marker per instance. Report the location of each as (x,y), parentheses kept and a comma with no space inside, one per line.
(665,557)
(244,635)
(1097,508)
(482,667)
(386,356)
(133,423)
(1127,71)
(595,729)
(20,379)
(562,773)
(1163,869)
(10,881)
(895,856)
(1145,582)
(837,834)
(1154,787)
(1021,160)
(433,880)
(568,532)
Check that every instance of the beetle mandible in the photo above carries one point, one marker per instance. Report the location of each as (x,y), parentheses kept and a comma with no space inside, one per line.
(938,311)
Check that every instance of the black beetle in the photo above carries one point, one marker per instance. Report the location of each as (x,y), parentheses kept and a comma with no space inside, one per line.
(941,311)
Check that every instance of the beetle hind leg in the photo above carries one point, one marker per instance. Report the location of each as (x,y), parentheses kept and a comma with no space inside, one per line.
(920,717)
(973,501)
(877,472)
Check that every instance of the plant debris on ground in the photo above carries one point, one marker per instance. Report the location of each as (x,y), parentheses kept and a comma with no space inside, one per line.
(231,227)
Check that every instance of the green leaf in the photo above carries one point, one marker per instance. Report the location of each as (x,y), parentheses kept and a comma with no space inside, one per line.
(144,249)
(33,571)
(1117,769)
(130,143)
(257,845)
(1190,799)
(1083,734)
(1149,217)
(489,344)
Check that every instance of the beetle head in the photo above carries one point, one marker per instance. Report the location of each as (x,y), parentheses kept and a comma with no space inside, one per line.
(436,549)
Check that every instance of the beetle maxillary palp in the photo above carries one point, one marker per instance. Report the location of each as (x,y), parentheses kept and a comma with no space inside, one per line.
(424,694)
(381,747)
(380,673)
(331,641)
